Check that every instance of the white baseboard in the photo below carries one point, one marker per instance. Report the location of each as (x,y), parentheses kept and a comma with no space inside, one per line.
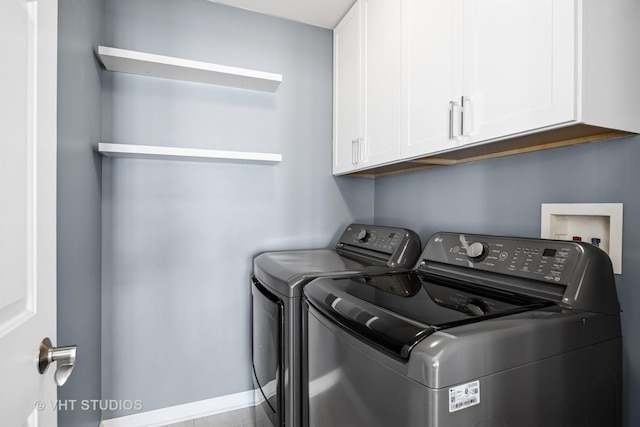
(188,411)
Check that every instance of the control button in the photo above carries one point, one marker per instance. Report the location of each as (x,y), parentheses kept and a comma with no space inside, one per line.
(477,307)
(477,251)
(363,235)
(503,255)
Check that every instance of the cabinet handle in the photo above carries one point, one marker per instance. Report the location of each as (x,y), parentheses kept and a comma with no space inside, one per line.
(362,150)
(452,106)
(354,151)
(466,118)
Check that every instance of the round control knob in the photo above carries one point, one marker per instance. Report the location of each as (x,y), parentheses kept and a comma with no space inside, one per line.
(363,235)
(477,251)
(477,307)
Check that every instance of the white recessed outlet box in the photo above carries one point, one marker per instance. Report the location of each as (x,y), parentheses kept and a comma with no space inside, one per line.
(597,223)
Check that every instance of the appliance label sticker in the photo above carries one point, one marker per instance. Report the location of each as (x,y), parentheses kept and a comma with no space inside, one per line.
(464,396)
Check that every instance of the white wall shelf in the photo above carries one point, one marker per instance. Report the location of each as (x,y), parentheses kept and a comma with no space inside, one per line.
(147,64)
(563,221)
(175,153)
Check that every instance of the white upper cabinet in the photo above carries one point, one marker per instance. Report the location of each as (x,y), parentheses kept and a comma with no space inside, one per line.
(609,59)
(382,81)
(431,75)
(483,78)
(519,70)
(367,86)
(477,70)
(347,91)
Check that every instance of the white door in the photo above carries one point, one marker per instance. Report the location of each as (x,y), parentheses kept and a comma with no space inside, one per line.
(519,69)
(432,75)
(28,80)
(382,81)
(347,91)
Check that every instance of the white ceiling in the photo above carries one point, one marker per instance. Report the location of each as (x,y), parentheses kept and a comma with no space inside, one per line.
(321,13)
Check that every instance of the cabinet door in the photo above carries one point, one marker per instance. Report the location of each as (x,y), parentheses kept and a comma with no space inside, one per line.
(519,70)
(347,91)
(382,61)
(432,74)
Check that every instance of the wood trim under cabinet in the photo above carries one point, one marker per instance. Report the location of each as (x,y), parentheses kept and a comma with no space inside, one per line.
(554,138)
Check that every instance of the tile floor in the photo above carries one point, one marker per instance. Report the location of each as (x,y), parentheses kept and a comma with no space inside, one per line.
(239,418)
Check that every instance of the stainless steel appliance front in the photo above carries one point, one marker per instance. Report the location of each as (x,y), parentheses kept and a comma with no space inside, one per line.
(488,331)
(277,284)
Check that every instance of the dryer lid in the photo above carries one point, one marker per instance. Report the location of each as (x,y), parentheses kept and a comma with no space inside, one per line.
(287,272)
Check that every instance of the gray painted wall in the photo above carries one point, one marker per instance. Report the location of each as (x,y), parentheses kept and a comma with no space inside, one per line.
(503,196)
(79,201)
(178,236)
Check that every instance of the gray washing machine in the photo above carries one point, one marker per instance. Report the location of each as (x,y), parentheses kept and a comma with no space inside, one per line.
(487,331)
(277,284)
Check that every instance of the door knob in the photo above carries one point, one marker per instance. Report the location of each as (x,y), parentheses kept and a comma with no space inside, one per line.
(64,356)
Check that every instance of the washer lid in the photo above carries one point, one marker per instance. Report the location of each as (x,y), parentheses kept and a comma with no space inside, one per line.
(396,311)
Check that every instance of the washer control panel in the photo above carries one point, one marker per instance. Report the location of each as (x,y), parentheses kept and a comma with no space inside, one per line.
(546,260)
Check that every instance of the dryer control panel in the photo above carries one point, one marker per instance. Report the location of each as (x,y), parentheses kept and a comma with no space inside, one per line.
(390,246)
